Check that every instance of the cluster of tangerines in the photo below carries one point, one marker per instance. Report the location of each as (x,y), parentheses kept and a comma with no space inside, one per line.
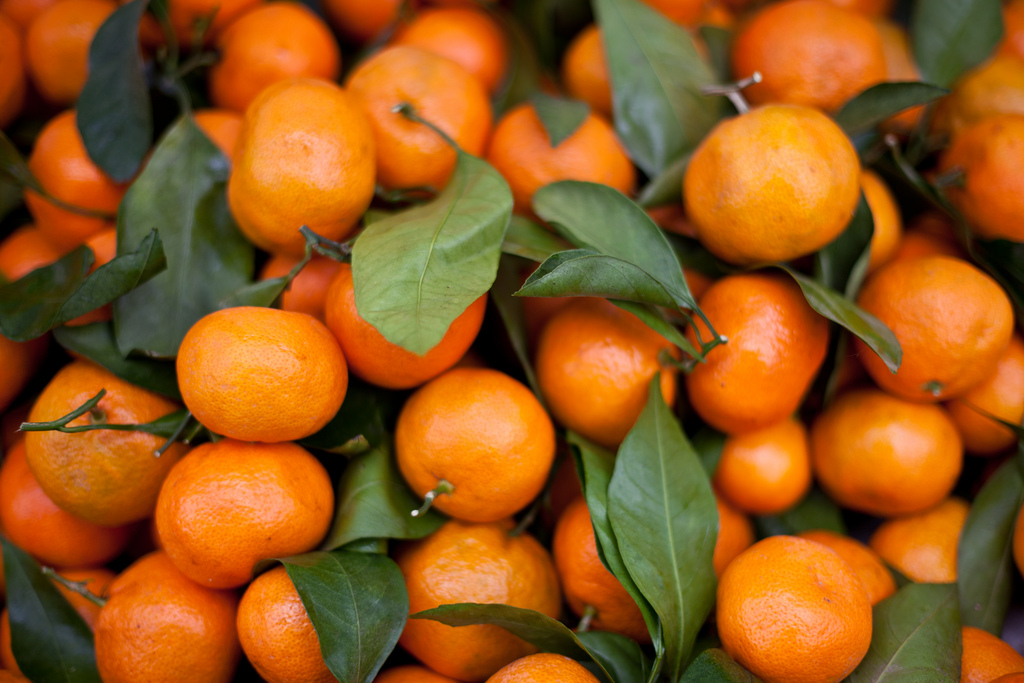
(773,184)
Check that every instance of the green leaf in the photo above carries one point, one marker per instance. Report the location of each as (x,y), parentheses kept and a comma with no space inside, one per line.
(49,639)
(264,293)
(53,295)
(418,270)
(524,71)
(656,75)
(510,310)
(1004,260)
(915,637)
(719,43)
(709,444)
(665,520)
(10,196)
(560,116)
(13,166)
(581,272)
(879,102)
(842,264)
(952,36)
(985,569)
(815,511)
(358,605)
(531,241)
(838,309)
(361,422)
(181,190)
(667,186)
(621,657)
(114,113)
(715,666)
(96,342)
(652,317)
(374,502)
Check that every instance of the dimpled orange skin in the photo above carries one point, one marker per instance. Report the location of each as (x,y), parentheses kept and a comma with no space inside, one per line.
(361,20)
(521,151)
(103,476)
(305,156)
(992,195)
(986,657)
(923,547)
(951,320)
(585,71)
(865,563)
(373,358)
(228,505)
(594,363)
(1002,395)
(184,14)
(307,293)
(23,251)
(63,167)
(880,454)
(463,562)
(440,91)
(276,634)
(411,674)
(735,534)
(57,47)
(587,582)
(18,363)
(776,343)
(484,433)
(885,240)
(793,611)
(12,71)
(809,52)
(778,182)
(222,126)
(996,87)
(543,667)
(160,627)
(271,43)
(260,374)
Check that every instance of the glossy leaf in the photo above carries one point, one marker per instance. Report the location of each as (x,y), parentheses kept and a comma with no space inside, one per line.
(510,310)
(418,270)
(879,102)
(715,666)
(361,422)
(53,295)
(842,264)
(985,568)
(915,637)
(113,111)
(358,605)
(531,241)
(815,511)
(180,191)
(665,520)
(560,116)
(49,639)
(374,502)
(621,657)
(581,272)
(951,36)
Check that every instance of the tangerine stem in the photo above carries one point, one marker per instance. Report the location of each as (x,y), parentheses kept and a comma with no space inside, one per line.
(174,436)
(589,612)
(79,587)
(733,91)
(407,110)
(61,422)
(443,487)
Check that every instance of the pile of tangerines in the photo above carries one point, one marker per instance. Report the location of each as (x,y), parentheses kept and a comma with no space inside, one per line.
(753,413)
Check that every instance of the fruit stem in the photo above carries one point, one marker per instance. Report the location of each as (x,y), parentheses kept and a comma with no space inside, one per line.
(79,587)
(174,436)
(61,423)
(407,110)
(733,91)
(589,613)
(443,487)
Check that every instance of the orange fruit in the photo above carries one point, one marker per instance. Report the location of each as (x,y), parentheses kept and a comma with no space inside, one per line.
(766,471)
(22,12)
(793,611)
(57,47)
(585,71)
(923,547)
(951,320)
(543,667)
(521,151)
(865,563)
(886,215)
(411,674)
(804,158)
(1002,395)
(1013,29)
(373,358)
(986,657)
(362,21)
(872,8)
(482,432)
(276,633)
(992,194)
(682,12)
(463,562)
(442,92)
(12,71)
(587,582)
(899,66)
(23,251)
(809,52)
(104,248)
(466,35)
(151,603)
(930,234)
(996,87)
(1010,678)
(102,476)
(305,156)
(307,293)
(222,126)
(776,343)
(260,374)
(227,505)
(6,652)
(594,363)
(185,14)
(735,534)
(62,166)
(272,43)
(18,363)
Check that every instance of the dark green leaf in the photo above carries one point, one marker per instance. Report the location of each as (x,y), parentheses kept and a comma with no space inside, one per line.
(374,502)
(656,76)
(181,191)
(360,423)
(264,293)
(665,520)
(719,43)
(879,102)
(418,270)
(10,196)
(582,272)
(915,637)
(531,241)
(1004,260)
(842,264)
(621,657)
(358,605)
(114,114)
(667,186)
(560,116)
(53,295)
(709,444)
(13,166)
(714,666)
(815,511)
(952,36)
(510,309)
(49,639)
(985,569)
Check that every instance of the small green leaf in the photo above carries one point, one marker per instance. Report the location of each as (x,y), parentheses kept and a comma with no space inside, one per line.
(531,241)
(952,36)
(416,271)
(114,113)
(915,637)
(715,666)
(581,272)
(361,422)
(621,657)
(815,511)
(510,310)
(879,102)
(842,264)
(667,186)
(264,293)
(358,605)
(560,116)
